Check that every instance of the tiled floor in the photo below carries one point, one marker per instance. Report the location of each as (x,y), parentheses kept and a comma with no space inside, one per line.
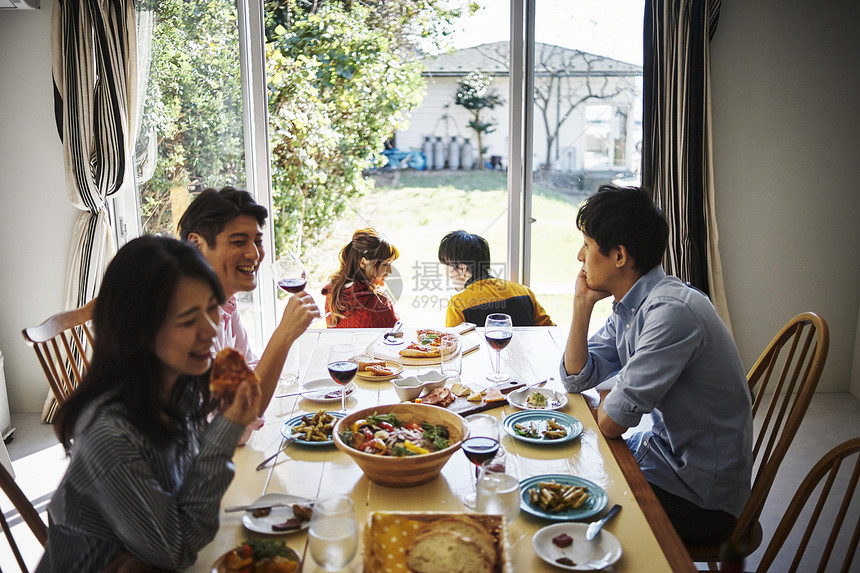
(39,463)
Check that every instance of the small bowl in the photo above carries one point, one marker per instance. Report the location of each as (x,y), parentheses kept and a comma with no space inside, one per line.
(407,471)
(432,380)
(408,388)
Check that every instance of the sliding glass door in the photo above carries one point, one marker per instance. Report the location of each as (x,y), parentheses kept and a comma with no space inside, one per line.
(586,122)
(338,119)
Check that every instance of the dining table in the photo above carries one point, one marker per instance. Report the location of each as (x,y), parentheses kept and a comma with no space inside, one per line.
(648,541)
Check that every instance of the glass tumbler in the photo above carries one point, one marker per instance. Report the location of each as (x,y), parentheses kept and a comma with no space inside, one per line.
(333,533)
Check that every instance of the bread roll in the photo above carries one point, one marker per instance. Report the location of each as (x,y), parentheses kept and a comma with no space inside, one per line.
(469,528)
(448,551)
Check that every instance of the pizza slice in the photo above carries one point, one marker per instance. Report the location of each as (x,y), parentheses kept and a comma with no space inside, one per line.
(229,370)
(417,350)
(429,344)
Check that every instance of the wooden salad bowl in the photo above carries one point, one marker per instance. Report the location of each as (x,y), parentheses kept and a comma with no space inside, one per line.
(406,471)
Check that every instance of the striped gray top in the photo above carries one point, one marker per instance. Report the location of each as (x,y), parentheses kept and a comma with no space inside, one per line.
(122,493)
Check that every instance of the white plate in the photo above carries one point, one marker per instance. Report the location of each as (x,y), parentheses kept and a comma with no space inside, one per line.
(605,548)
(326,386)
(277,515)
(519,399)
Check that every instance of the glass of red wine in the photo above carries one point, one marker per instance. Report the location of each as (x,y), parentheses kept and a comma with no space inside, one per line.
(481,445)
(289,273)
(342,367)
(498,331)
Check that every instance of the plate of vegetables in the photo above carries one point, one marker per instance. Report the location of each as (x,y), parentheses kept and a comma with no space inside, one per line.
(259,555)
(562,497)
(537,399)
(311,429)
(387,435)
(540,427)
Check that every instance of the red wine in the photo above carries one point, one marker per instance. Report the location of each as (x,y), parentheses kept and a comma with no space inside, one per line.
(498,339)
(480,449)
(343,372)
(293,285)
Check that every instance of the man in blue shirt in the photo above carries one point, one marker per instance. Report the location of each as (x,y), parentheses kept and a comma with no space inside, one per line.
(664,351)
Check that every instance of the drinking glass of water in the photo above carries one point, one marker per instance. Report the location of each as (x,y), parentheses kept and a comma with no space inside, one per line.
(333,533)
(498,490)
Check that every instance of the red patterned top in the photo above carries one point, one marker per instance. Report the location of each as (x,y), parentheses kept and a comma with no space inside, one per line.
(372,308)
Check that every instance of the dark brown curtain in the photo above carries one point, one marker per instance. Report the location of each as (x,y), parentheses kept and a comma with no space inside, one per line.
(677,150)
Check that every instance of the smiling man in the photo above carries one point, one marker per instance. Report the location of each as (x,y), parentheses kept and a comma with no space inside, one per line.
(665,352)
(227,227)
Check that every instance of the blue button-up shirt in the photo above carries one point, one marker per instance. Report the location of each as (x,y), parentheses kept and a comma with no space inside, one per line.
(670,355)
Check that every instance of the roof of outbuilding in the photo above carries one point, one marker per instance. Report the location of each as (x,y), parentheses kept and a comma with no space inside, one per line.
(492,59)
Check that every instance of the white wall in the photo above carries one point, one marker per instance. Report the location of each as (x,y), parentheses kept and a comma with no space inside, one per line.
(36,219)
(786,140)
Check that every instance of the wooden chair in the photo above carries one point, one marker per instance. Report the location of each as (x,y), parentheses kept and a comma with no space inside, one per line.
(828,465)
(798,353)
(27,512)
(63,344)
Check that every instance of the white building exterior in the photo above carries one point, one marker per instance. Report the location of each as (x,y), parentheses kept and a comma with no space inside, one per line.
(602,132)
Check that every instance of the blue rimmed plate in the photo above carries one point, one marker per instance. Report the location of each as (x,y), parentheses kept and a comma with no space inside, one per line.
(538,419)
(597,497)
(289,425)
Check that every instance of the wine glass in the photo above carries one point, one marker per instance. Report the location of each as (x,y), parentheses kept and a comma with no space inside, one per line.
(342,367)
(333,533)
(481,445)
(498,331)
(289,273)
(290,276)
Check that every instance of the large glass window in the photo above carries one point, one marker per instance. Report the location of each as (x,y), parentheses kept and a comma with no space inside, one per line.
(192,121)
(587,96)
(397,120)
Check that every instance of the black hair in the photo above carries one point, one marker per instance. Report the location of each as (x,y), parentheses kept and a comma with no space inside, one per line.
(626,216)
(211,210)
(462,248)
(131,307)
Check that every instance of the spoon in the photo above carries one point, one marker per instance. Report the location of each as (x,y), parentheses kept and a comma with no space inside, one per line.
(595,526)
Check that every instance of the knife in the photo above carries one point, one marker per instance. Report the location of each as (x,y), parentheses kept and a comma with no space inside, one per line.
(285,443)
(594,526)
(269,505)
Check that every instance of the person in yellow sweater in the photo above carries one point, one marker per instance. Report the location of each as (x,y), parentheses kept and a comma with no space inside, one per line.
(467,258)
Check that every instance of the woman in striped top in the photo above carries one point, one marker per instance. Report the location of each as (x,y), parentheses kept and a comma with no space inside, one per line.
(147,468)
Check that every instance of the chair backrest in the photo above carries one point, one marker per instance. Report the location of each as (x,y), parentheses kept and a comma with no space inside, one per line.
(27,512)
(828,466)
(783,381)
(63,344)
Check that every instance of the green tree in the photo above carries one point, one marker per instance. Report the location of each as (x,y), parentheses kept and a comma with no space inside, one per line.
(192,131)
(341,75)
(475,94)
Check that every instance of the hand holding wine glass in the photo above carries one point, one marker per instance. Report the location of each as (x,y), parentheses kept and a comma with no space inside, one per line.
(498,331)
(342,367)
(481,445)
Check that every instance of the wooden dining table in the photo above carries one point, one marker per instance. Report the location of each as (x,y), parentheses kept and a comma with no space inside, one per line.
(648,541)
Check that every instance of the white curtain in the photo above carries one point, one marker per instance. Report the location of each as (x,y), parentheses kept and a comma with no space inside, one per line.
(95,78)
